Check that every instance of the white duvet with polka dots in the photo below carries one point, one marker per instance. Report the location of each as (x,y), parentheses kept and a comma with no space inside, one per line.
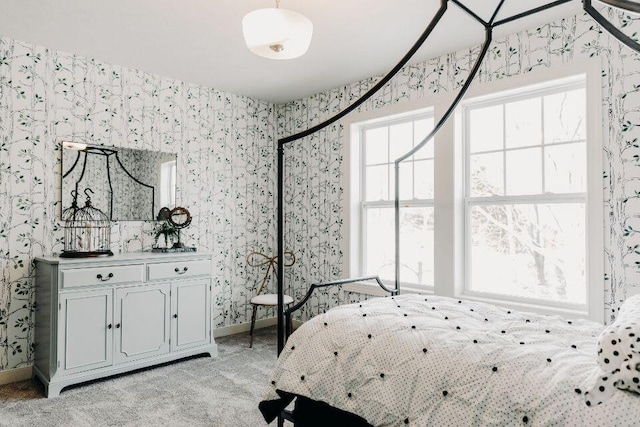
(435,361)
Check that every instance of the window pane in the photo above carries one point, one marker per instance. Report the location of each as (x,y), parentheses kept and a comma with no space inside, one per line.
(523,124)
(564,116)
(406,181)
(380,246)
(376,146)
(423,179)
(421,129)
(416,244)
(377,183)
(485,129)
(529,250)
(566,168)
(524,171)
(400,139)
(487,175)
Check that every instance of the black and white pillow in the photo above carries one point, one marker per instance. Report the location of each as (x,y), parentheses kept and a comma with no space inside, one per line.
(619,354)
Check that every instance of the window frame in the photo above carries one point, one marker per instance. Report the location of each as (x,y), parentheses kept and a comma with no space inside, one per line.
(551,87)
(449,190)
(364,204)
(168,176)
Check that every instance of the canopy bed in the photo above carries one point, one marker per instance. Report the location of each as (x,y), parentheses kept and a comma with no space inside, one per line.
(432,361)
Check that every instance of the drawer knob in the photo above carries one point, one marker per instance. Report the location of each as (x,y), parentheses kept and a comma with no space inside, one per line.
(175,316)
(109,326)
(105,279)
(184,270)
(118,326)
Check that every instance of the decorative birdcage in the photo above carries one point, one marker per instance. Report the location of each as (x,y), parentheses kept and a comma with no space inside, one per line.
(87,230)
(69,213)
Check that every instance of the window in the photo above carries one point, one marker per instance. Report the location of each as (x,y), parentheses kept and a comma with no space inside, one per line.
(526,194)
(381,144)
(168,183)
(513,205)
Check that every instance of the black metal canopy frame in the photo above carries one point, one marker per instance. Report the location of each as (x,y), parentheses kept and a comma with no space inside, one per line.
(284,326)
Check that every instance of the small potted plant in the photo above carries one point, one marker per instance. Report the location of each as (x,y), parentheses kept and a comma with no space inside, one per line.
(167,230)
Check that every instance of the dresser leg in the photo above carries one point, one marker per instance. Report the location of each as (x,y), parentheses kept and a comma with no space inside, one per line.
(52,390)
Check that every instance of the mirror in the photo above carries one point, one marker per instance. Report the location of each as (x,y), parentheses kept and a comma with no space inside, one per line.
(127,184)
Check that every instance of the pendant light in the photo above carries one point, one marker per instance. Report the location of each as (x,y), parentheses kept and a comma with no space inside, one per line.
(276,33)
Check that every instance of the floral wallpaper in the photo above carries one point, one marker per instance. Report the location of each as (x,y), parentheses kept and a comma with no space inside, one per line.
(314,165)
(226,175)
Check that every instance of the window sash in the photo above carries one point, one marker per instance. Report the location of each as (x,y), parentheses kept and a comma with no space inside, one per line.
(390,164)
(504,199)
(365,206)
(498,100)
(578,198)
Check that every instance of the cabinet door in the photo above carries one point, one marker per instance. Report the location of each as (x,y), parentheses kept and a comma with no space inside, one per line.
(190,315)
(85,328)
(141,322)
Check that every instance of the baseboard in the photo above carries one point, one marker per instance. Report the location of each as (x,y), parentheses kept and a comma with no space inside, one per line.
(15,375)
(243,327)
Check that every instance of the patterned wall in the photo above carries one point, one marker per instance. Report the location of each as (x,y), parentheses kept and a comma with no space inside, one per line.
(315,167)
(225,148)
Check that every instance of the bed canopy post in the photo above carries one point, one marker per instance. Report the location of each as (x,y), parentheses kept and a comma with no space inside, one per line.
(280,264)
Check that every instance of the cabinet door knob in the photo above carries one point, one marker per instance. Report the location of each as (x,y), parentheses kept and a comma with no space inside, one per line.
(109,326)
(104,279)
(184,270)
(118,326)
(175,316)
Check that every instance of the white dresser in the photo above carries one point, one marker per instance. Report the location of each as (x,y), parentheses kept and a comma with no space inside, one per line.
(97,317)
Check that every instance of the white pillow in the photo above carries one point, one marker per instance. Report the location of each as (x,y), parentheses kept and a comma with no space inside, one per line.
(619,354)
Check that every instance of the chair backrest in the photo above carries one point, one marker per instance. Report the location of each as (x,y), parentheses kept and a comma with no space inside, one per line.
(258,259)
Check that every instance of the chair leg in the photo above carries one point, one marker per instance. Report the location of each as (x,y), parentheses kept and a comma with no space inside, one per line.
(253,323)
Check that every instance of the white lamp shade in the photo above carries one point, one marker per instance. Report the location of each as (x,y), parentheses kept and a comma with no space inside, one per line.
(277,33)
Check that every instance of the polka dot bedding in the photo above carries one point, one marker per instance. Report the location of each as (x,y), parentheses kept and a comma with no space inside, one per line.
(435,361)
(618,355)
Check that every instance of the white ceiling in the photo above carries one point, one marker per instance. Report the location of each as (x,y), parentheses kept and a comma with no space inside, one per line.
(200,41)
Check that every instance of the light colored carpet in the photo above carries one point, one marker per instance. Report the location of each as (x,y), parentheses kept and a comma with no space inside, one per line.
(204,391)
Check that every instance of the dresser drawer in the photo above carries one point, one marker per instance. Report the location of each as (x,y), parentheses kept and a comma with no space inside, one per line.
(106,275)
(178,269)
